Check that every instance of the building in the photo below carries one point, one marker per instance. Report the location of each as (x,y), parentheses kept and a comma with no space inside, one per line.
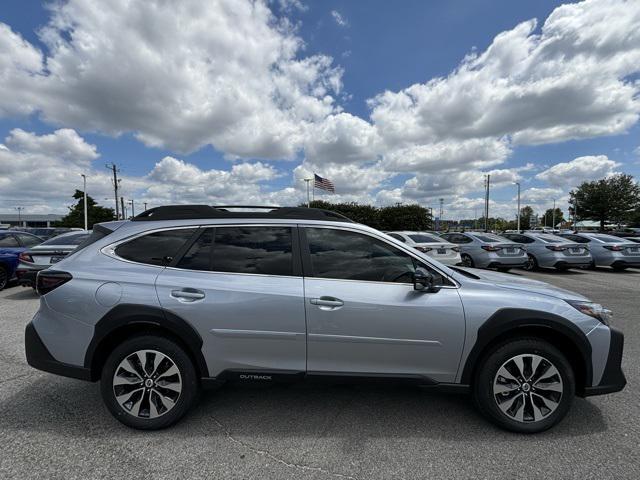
(28,220)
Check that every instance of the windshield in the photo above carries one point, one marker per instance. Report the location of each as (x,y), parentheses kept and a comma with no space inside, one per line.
(425,238)
(68,239)
(490,238)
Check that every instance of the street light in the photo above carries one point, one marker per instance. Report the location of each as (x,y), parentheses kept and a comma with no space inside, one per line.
(518,184)
(84,190)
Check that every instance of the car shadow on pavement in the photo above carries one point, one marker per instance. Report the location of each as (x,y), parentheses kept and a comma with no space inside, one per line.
(348,413)
(22,293)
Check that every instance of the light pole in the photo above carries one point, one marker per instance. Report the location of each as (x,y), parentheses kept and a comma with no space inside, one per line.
(518,184)
(133,211)
(145,206)
(84,191)
(553,215)
(19,209)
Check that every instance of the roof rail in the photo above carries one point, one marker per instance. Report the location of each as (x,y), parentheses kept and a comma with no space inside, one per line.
(187,212)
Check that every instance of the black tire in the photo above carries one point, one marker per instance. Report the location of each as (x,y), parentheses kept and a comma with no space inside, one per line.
(562,268)
(4,277)
(487,400)
(467,261)
(187,376)
(532,263)
(503,269)
(617,268)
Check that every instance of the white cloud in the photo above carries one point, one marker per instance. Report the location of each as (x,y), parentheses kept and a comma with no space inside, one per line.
(569,81)
(225,73)
(537,195)
(339,18)
(578,170)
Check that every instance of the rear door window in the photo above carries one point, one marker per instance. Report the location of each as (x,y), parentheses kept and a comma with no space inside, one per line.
(158,248)
(28,240)
(198,257)
(8,241)
(253,250)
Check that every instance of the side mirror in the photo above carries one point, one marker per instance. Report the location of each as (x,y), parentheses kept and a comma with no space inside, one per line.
(424,281)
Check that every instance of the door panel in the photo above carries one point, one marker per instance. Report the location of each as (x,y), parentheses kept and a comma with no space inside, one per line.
(364,318)
(384,328)
(247,322)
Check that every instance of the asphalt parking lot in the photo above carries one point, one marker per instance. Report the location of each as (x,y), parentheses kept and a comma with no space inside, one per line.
(54,427)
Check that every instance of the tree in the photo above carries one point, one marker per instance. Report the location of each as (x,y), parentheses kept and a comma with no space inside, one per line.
(612,199)
(548,218)
(526,214)
(397,217)
(95,213)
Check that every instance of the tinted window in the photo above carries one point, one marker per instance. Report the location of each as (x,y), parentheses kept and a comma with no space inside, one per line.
(397,237)
(514,237)
(577,238)
(461,239)
(260,250)
(8,241)
(353,256)
(157,248)
(70,239)
(423,238)
(28,240)
(198,257)
(488,238)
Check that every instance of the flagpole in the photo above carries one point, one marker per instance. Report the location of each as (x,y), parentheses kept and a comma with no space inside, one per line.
(314,187)
(307,180)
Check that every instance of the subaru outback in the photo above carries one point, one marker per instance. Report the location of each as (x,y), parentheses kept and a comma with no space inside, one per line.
(184,297)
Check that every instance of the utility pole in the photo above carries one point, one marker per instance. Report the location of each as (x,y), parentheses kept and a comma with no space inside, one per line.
(84,190)
(308,181)
(486,203)
(124,210)
(19,209)
(475,217)
(145,206)
(112,166)
(133,210)
(441,200)
(518,184)
(553,215)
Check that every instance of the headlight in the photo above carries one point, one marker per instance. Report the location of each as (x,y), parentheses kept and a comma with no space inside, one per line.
(594,310)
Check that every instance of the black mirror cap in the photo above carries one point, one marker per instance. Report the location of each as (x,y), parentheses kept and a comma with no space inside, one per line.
(424,281)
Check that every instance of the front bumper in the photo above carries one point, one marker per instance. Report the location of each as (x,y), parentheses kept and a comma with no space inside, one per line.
(39,357)
(613,379)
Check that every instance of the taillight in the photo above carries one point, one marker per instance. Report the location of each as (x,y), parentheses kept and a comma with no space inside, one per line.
(26,257)
(48,280)
(555,248)
(455,249)
(423,249)
(615,248)
(489,248)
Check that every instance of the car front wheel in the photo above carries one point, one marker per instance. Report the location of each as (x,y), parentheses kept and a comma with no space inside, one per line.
(524,385)
(149,382)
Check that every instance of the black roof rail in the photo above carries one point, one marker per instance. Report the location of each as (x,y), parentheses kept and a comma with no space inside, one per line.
(187,212)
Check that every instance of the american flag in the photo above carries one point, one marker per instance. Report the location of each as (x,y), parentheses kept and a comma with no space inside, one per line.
(323,183)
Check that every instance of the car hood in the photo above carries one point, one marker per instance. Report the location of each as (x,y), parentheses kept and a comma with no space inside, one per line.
(515,282)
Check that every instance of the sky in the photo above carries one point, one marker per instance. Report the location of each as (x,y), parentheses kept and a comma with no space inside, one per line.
(237,101)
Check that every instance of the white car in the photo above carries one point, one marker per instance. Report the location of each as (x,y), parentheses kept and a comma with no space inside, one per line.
(431,244)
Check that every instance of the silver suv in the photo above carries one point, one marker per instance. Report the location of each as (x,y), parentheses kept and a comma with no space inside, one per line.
(184,297)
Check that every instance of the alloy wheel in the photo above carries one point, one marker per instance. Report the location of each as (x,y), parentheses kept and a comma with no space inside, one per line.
(527,388)
(467,261)
(530,264)
(4,278)
(147,384)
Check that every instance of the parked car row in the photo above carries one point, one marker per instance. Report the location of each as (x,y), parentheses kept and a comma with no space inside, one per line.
(23,254)
(526,249)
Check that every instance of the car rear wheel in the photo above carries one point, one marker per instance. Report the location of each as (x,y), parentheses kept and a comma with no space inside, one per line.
(149,382)
(467,261)
(503,269)
(531,263)
(524,385)
(4,277)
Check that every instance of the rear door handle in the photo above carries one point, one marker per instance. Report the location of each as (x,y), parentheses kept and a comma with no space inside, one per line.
(327,302)
(188,294)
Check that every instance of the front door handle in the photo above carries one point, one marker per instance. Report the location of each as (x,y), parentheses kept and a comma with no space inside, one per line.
(327,302)
(188,294)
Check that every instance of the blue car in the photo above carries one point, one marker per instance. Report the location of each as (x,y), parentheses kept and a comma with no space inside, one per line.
(11,245)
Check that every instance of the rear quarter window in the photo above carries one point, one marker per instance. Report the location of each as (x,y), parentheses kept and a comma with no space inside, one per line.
(158,248)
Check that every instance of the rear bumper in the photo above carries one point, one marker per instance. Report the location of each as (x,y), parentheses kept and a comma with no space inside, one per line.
(39,357)
(613,379)
(507,264)
(572,263)
(625,263)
